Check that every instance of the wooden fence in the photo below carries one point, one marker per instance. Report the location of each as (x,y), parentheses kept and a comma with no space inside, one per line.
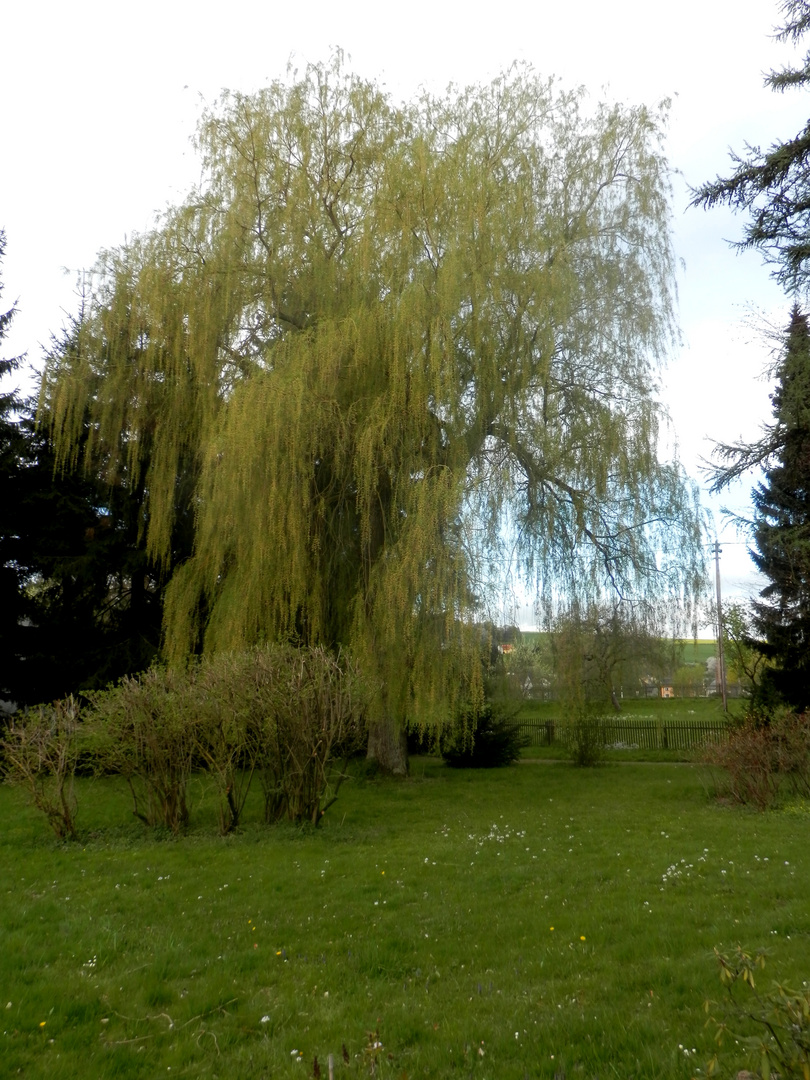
(629,733)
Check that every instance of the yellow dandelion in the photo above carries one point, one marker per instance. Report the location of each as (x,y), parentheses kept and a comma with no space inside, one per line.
(581,938)
(42,1023)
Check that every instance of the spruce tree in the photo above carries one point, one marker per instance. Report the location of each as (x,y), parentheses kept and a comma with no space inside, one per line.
(80,601)
(781,530)
(773,185)
(12,459)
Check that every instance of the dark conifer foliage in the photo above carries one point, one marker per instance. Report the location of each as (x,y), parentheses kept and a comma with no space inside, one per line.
(773,185)
(782,524)
(12,456)
(80,602)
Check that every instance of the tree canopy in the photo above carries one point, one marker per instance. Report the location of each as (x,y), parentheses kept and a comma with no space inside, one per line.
(79,604)
(373,343)
(780,528)
(773,185)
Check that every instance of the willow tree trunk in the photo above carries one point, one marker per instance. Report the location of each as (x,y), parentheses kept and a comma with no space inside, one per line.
(388,746)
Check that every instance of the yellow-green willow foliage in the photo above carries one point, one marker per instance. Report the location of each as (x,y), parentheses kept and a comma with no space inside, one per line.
(372,327)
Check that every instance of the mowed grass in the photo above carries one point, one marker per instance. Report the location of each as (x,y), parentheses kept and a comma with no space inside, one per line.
(646,710)
(537,921)
(658,709)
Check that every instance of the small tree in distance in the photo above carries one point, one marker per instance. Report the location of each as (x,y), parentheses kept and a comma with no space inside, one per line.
(607,649)
(744,658)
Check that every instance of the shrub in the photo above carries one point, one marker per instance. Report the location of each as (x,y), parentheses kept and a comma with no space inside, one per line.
(587,744)
(41,749)
(229,732)
(313,714)
(791,735)
(149,723)
(285,712)
(482,740)
(758,759)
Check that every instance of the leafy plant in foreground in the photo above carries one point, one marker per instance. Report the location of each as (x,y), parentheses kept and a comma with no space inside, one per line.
(781,1017)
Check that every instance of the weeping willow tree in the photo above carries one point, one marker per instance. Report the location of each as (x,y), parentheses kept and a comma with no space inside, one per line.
(383,339)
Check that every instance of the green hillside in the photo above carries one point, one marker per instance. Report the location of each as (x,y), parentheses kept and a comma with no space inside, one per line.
(694,652)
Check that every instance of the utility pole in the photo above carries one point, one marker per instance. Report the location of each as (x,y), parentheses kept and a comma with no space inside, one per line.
(721,663)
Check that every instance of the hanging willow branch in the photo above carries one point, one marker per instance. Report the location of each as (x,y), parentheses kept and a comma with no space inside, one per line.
(371,325)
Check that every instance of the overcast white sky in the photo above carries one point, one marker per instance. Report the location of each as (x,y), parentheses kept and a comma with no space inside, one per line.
(98,101)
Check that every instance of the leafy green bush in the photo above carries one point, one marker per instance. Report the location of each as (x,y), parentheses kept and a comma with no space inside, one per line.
(485,740)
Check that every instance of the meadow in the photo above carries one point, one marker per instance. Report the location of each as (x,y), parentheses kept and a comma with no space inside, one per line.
(697,714)
(693,650)
(537,921)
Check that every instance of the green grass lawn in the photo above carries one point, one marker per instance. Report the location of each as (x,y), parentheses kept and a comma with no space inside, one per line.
(537,921)
(652,710)
(641,708)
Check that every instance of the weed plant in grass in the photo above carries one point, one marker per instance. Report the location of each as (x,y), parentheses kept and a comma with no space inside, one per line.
(538,921)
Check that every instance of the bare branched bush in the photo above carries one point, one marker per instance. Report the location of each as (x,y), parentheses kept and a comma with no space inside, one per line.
(314,707)
(149,721)
(230,729)
(758,760)
(41,749)
(791,736)
(289,714)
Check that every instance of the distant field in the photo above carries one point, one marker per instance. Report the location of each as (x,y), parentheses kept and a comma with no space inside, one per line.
(694,652)
(698,652)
